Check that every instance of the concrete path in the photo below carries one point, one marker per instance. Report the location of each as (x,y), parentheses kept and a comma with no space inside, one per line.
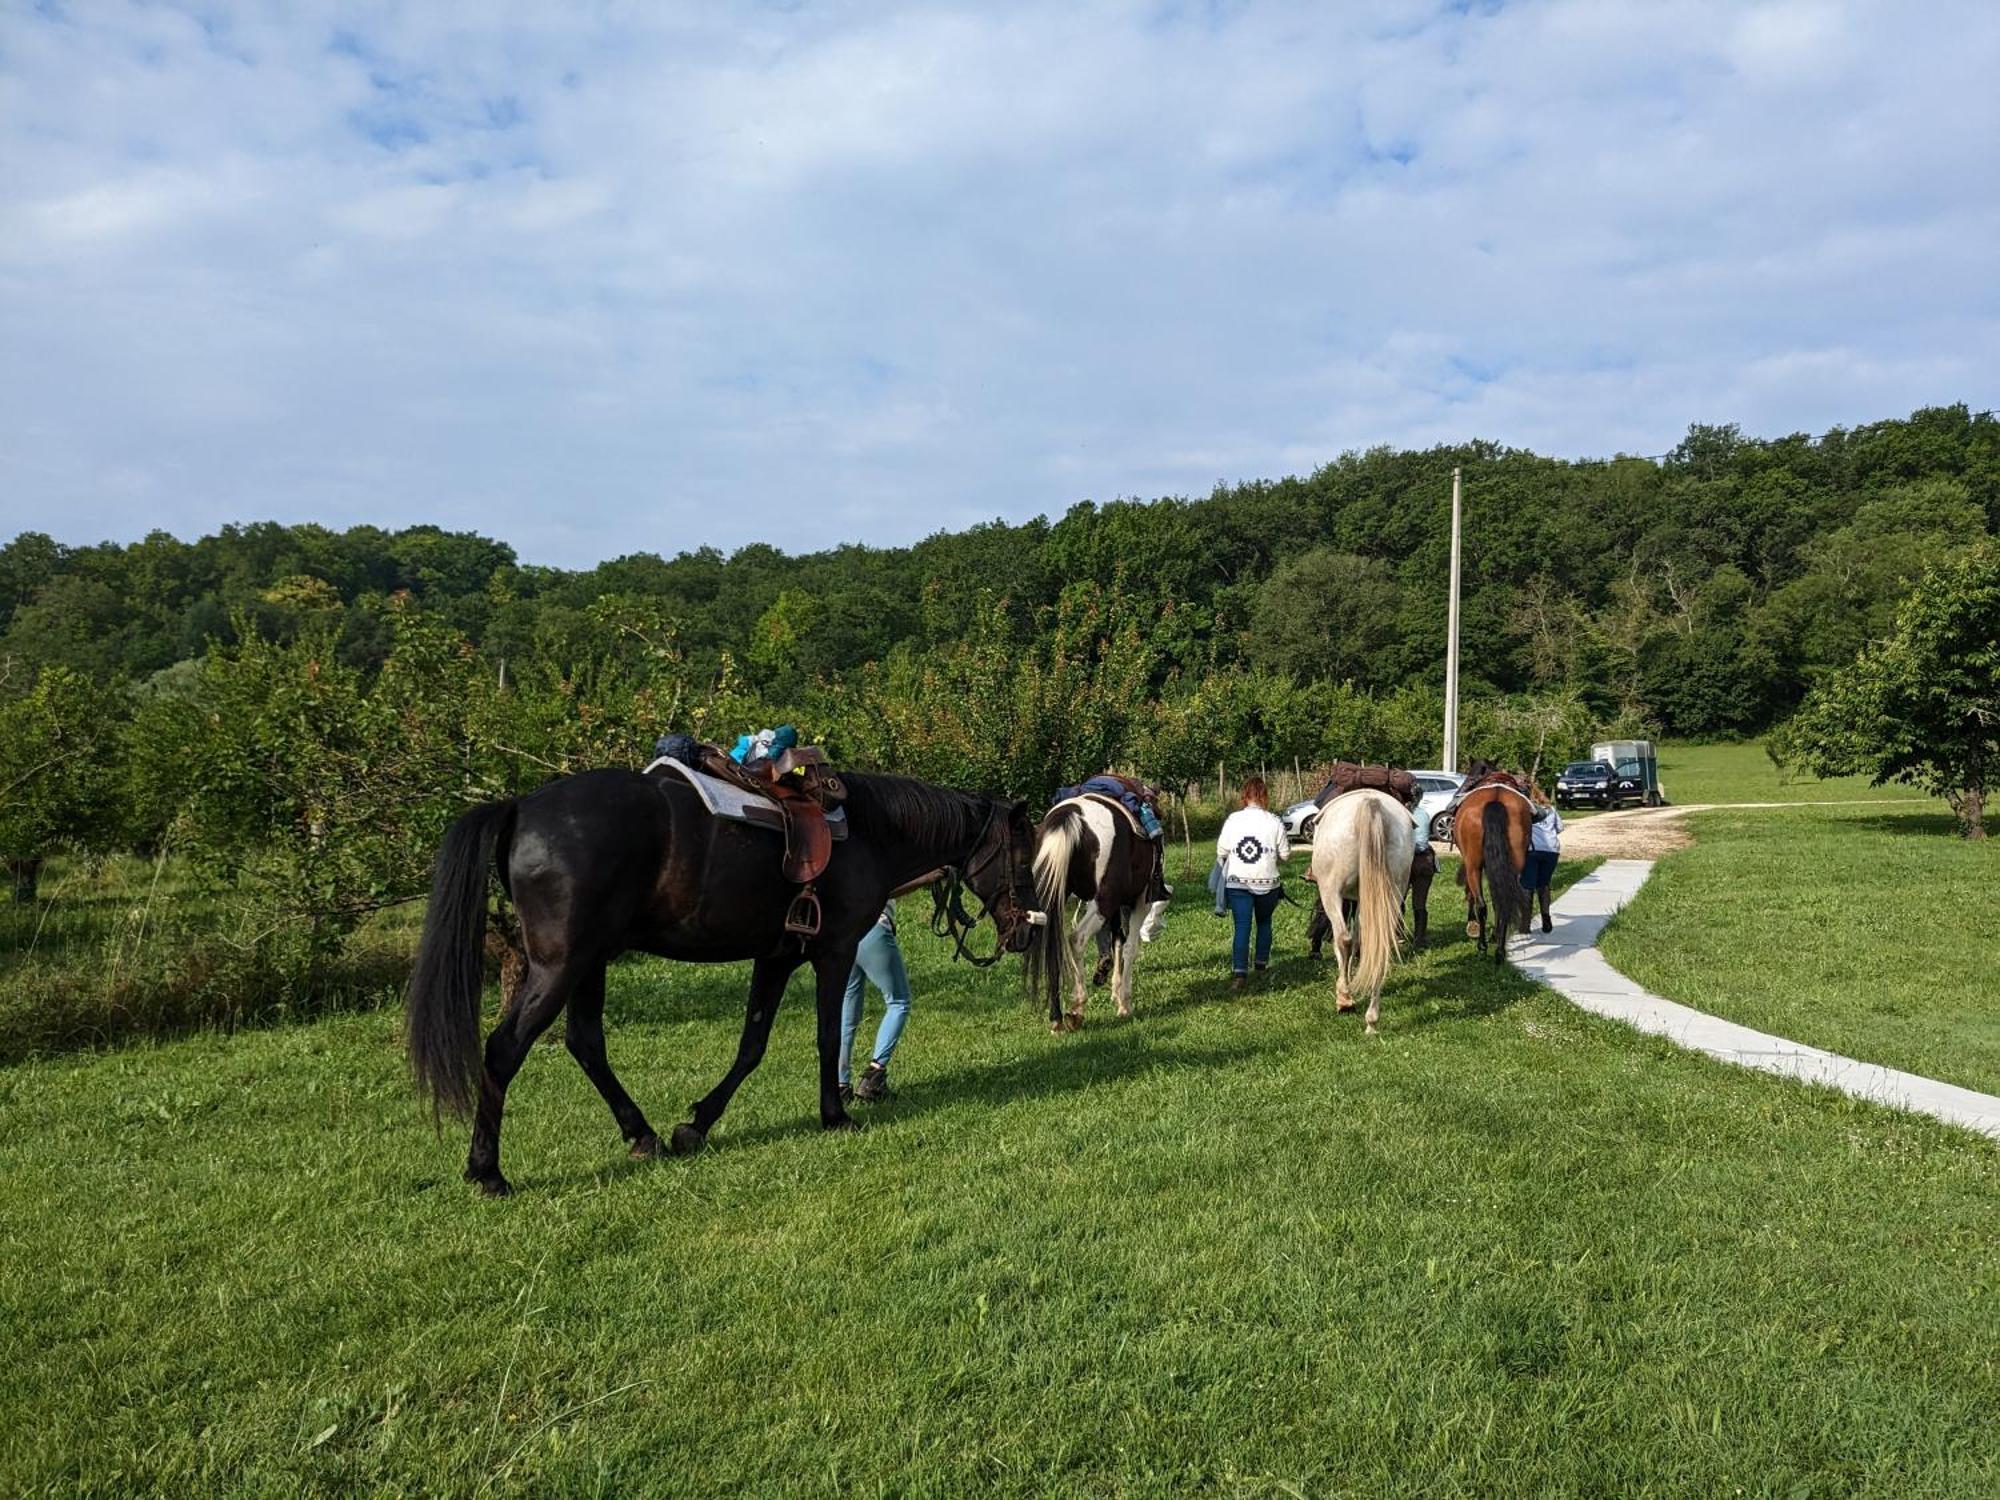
(1568,962)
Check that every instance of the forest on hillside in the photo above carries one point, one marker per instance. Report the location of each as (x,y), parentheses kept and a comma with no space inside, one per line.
(1700,594)
(292,715)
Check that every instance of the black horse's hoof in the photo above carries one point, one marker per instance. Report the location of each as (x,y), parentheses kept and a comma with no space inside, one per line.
(646,1146)
(686,1140)
(492,1184)
(843,1122)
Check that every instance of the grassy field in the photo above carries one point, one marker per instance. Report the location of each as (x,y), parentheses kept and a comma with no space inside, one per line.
(1742,772)
(122,947)
(1231,1247)
(1865,930)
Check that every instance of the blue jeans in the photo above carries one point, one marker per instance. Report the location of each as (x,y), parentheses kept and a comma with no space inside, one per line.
(1242,906)
(881,960)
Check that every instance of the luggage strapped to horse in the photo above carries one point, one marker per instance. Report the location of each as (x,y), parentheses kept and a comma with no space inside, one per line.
(1345,776)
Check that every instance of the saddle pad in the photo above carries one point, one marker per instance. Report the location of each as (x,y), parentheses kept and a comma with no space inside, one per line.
(1109,801)
(725,799)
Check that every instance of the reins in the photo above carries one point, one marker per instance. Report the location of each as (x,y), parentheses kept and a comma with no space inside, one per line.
(949,918)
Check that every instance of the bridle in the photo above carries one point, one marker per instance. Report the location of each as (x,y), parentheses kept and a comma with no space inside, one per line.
(949,918)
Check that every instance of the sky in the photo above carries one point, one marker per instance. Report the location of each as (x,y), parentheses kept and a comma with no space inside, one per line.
(605,278)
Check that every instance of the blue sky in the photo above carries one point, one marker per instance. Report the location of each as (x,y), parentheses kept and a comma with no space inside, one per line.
(619,277)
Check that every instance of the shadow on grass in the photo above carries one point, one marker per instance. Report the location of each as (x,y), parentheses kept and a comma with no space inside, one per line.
(1915,825)
(1072,1063)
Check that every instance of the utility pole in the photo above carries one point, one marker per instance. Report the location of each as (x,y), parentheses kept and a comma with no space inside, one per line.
(1451,642)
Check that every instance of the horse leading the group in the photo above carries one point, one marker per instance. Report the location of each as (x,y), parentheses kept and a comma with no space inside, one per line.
(1092,851)
(609,862)
(1362,848)
(1491,831)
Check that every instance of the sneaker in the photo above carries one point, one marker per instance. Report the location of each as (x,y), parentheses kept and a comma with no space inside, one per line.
(874,1084)
(1236,983)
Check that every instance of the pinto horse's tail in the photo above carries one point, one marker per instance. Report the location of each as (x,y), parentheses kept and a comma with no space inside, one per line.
(442,1013)
(1503,880)
(1049,960)
(1380,917)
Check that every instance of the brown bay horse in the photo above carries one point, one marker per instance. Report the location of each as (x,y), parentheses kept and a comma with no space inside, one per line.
(1490,829)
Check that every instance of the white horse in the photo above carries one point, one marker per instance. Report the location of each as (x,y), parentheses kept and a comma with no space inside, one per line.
(1362,848)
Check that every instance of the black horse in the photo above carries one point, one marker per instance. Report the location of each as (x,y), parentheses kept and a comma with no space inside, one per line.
(607,862)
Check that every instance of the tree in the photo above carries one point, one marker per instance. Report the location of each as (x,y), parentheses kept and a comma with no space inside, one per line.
(1923,706)
(55,774)
(1327,615)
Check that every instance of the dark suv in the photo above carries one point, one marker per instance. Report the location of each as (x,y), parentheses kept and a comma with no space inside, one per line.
(1587,781)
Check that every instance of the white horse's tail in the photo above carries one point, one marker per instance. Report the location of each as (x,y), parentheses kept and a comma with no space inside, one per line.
(1051,963)
(1380,917)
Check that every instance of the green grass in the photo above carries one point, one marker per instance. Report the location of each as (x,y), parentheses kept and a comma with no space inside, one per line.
(122,947)
(1865,930)
(1233,1248)
(1742,772)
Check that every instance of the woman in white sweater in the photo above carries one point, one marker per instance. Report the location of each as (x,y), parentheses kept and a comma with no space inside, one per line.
(1249,847)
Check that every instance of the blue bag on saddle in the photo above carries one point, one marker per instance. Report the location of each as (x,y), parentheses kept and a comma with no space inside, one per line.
(1111,786)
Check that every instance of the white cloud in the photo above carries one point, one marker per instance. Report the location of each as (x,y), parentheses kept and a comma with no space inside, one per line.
(643,278)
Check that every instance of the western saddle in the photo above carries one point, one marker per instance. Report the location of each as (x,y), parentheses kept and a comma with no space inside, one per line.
(804,790)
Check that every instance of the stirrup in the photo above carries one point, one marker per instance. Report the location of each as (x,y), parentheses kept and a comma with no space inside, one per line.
(802,916)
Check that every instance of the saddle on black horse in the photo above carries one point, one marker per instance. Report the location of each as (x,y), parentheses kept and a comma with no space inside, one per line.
(794,793)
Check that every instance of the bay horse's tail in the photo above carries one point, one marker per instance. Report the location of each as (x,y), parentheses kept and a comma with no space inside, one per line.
(442,1030)
(1049,960)
(1503,880)
(1381,905)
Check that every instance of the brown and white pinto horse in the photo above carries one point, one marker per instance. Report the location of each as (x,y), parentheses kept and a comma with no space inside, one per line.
(1491,832)
(1089,850)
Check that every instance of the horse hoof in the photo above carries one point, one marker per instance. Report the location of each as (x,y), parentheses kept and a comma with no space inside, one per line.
(647,1146)
(1369,1030)
(495,1186)
(1472,929)
(844,1122)
(686,1140)
(1072,1022)
(1342,1007)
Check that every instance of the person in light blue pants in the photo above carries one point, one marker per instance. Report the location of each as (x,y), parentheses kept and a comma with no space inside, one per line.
(878,959)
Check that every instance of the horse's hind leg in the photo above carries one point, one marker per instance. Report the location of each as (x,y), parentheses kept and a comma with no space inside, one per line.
(1089,921)
(1345,942)
(1107,955)
(583,1034)
(1125,959)
(537,1003)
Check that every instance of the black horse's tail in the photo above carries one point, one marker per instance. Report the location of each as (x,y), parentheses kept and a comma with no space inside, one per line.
(1503,881)
(443,1007)
(1048,957)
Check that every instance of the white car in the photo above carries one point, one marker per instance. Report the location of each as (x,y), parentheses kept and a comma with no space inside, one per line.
(1439,787)
(1434,809)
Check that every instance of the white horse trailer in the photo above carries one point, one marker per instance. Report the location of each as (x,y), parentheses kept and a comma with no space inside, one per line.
(1632,761)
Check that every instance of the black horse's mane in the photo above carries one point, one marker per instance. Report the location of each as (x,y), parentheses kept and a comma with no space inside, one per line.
(936,815)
